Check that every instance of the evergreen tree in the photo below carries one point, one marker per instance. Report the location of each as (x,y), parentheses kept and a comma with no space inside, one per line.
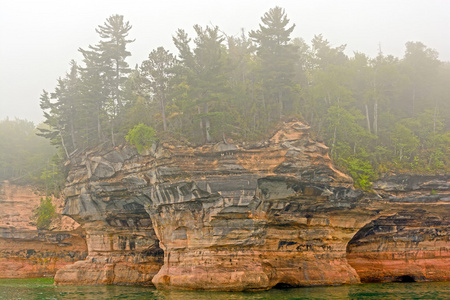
(108,57)
(158,72)
(242,106)
(277,58)
(329,82)
(113,51)
(61,110)
(202,72)
(420,65)
(94,94)
(140,107)
(375,114)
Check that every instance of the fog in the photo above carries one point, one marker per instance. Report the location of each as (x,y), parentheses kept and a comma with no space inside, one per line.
(39,38)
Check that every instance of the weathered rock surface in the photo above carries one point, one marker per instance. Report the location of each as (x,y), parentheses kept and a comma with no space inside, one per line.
(33,254)
(412,244)
(116,256)
(221,217)
(26,252)
(122,245)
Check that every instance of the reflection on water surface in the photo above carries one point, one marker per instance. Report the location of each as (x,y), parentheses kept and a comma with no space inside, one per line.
(44,289)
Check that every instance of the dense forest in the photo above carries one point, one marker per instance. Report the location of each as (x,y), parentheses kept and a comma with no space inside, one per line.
(26,158)
(376,114)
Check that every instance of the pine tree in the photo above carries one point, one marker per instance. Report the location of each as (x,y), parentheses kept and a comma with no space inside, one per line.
(420,64)
(113,51)
(202,71)
(61,111)
(277,58)
(158,72)
(107,61)
(94,94)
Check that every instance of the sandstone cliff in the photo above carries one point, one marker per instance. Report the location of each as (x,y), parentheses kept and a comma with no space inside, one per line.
(228,216)
(412,241)
(26,252)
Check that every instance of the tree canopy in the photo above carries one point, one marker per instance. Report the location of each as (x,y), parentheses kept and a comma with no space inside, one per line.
(376,114)
(26,158)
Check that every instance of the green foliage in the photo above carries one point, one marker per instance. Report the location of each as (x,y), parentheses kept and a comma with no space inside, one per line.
(141,136)
(276,60)
(375,114)
(361,172)
(87,105)
(45,214)
(157,73)
(23,154)
(404,140)
(53,176)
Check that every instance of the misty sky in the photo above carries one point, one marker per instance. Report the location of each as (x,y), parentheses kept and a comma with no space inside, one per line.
(39,38)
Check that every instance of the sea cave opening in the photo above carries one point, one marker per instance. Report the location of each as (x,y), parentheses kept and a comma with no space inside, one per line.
(282,286)
(405,278)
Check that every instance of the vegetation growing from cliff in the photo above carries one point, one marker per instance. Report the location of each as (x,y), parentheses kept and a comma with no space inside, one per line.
(45,214)
(141,136)
(376,114)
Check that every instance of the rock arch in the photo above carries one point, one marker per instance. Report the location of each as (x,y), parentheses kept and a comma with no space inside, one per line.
(411,245)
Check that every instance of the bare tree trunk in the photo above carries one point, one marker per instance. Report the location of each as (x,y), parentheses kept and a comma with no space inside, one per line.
(63,144)
(163,111)
(100,135)
(319,126)
(368,119)
(264,102)
(375,105)
(201,119)
(280,103)
(119,102)
(434,128)
(434,117)
(99,126)
(375,117)
(334,140)
(207,125)
(112,133)
(72,134)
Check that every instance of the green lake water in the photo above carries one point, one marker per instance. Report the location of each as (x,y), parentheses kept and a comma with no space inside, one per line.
(44,289)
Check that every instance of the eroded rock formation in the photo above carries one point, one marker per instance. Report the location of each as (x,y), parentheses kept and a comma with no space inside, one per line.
(104,195)
(220,217)
(26,252)
(412,243)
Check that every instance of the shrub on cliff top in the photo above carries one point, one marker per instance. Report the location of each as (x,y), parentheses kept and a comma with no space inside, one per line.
(361,172)
(141,136)
(45,214)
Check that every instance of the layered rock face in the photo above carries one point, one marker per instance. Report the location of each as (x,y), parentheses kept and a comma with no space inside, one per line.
(218,217)
(228,217)
(26,252)
(33,254)
(104,195)
(117,255)
(412,243)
